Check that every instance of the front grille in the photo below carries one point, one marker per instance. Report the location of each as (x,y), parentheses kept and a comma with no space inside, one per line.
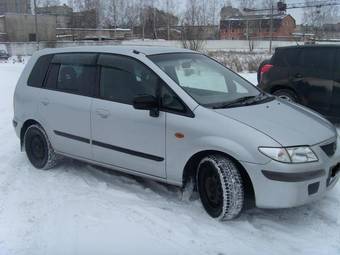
(329,149)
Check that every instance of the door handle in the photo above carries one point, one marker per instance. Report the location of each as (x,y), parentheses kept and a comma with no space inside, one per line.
(103,113)
(45,101)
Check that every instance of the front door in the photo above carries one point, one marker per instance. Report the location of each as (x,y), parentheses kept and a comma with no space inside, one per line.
(123,136)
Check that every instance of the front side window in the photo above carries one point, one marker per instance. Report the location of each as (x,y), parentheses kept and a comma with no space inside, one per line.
(122,79)
(208,82)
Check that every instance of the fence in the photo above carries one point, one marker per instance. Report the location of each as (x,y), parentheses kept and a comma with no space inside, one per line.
(28,48)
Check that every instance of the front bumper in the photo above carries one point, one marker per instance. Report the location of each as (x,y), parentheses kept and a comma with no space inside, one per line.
(279,185)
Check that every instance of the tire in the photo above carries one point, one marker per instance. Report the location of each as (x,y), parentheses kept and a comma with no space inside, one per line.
(38,148)
(265,62)
(286,94)
(220,187)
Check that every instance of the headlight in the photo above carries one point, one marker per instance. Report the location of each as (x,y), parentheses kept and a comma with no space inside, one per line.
(301,154)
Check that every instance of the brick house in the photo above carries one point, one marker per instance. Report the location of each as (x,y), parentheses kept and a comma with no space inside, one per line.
(257,26)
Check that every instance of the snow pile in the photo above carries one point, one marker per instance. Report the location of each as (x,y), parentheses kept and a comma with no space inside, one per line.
(79,209)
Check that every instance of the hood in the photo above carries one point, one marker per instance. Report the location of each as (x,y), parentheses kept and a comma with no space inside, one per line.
(288,124)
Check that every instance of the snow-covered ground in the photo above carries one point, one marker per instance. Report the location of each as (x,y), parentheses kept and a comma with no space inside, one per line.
(252,77)
(77,209)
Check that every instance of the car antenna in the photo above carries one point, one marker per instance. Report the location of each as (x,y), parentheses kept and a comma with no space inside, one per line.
(136,51)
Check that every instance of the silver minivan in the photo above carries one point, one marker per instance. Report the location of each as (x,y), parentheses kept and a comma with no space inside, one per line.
(178,117)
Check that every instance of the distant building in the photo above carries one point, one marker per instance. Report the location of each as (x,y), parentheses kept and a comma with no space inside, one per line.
(331,31)
(15,6)
(67,18)
(85,19)
(93,34)
(21,28)
(229,11)
(244,27)
(63,14)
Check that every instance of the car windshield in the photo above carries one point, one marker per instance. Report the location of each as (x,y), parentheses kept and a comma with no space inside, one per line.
(208,82)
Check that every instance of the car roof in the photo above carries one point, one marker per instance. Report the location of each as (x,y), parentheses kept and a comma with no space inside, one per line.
(310,46)
(124,50)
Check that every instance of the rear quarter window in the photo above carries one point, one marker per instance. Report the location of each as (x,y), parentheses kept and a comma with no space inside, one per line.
(73,73)
(38,73)
(286,57)
(319,59)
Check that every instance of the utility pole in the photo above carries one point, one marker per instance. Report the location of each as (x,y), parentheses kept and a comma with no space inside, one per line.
(168,14)
(154,21)
(282,7)
(36,23)
(271,29)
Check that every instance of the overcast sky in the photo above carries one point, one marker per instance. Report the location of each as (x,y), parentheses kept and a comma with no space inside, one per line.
(296,13)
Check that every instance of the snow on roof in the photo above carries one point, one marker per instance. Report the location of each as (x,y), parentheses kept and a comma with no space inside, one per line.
(94,29)
(125,50)
(256,17)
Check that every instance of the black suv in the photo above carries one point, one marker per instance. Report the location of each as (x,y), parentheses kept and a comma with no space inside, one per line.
(309,75)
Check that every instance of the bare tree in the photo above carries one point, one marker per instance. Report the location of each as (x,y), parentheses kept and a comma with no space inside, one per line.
(142,6)
(246,4)
(193,25)
(169,8)
(315,18)
(131,14)
(114,14)
(154,18)
(267,4)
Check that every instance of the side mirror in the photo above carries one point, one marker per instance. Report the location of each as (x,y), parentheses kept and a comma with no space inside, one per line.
(147,102)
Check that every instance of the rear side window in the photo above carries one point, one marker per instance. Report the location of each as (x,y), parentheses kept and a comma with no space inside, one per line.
(37,76)
(73,73)
(317,59)
(286,57)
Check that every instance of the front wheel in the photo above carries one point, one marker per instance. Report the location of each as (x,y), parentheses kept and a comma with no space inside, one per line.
(39,149)
(220,187)
(286,94)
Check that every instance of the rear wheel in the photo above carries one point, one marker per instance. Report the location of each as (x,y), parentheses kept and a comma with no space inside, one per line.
(286,94)
(220,187)
(39,149)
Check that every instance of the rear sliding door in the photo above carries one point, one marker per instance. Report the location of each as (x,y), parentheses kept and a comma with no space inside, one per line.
(65,103)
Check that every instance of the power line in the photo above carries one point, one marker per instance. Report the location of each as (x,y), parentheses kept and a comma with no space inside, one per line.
(281,6)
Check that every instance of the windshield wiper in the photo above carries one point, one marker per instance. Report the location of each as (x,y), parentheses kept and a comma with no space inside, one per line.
(234,102)
(248,100)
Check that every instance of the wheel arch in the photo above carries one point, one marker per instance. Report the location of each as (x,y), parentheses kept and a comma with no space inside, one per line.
(190,171)
(279,87)
(24,127)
